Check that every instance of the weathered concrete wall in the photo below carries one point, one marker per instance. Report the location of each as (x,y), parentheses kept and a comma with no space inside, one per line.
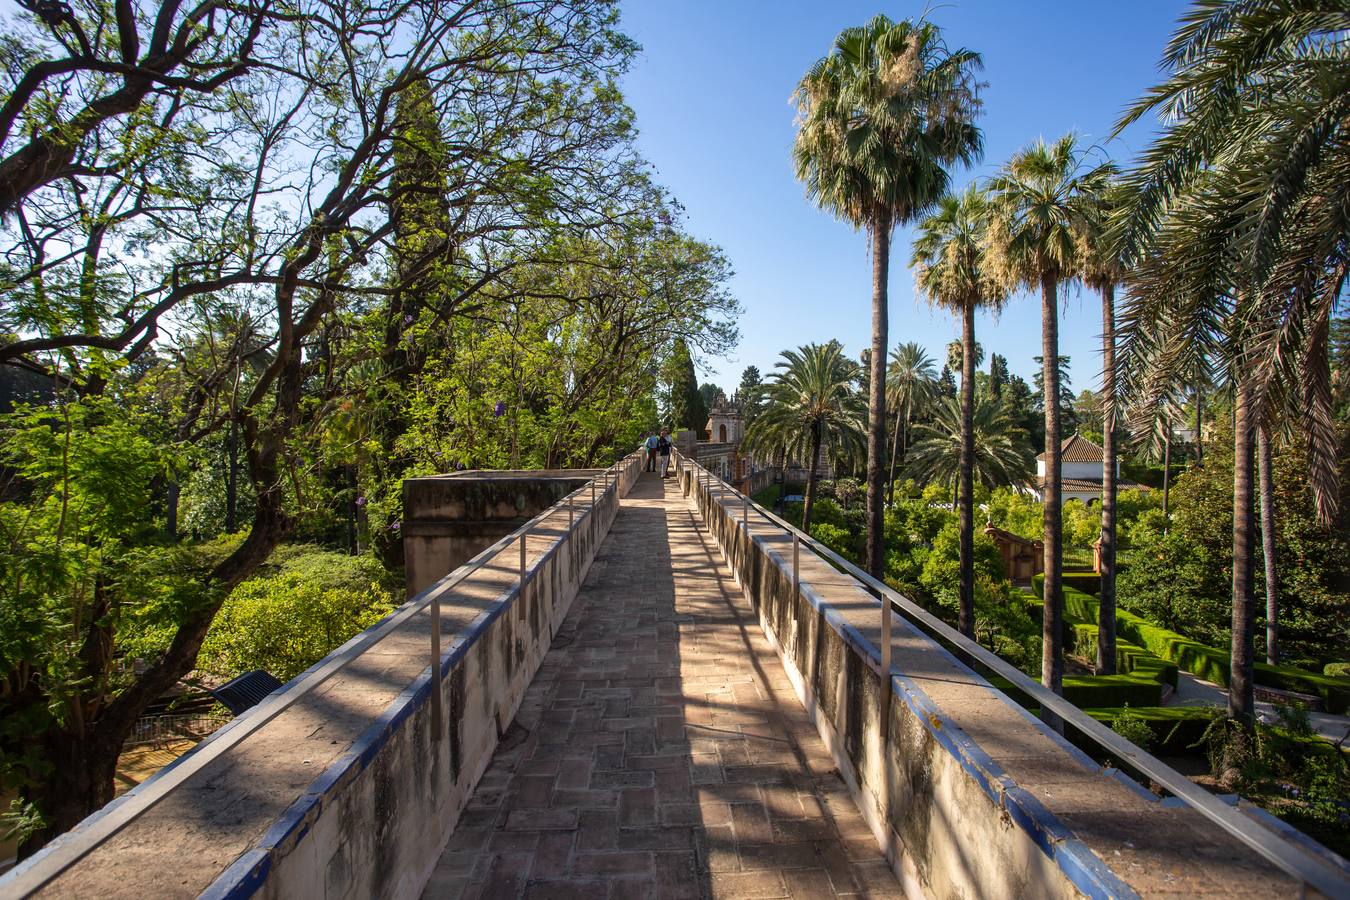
(951,826)
(374,823)
(450,519)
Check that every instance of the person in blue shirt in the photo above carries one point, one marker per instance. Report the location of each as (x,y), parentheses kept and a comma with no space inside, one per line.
(653,441)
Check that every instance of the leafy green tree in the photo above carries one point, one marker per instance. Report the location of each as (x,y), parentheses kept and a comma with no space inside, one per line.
(750,394)
(686,409)
(882,117)
(910,384)
(1042,200)
(998,375)
(811,409)
(951,270)
(1182,577)
(263,173)
(82,580)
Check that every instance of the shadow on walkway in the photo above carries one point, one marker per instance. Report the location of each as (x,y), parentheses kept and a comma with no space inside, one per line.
(660,751)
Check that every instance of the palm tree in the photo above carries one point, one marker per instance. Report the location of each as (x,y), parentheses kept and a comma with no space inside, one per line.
(1001,454)
(910,380)
(950,269)
(810,408)
(882,117)
(1101,271)
(1237,217)
(1042,201)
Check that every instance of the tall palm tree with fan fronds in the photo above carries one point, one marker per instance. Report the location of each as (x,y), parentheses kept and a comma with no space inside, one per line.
(1001,450)
(911,379)
(951,270)
(882,117)
(811,408)
(1043,201)
(1237,223)
(1102,272)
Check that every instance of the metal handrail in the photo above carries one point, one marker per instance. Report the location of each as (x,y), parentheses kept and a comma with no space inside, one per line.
(69,849)
(1291,858)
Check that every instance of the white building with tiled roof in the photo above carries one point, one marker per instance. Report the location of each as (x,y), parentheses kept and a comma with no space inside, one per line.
(1080,472)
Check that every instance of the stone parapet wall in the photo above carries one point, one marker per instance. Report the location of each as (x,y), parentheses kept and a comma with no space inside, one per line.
(968,794)
(345,790)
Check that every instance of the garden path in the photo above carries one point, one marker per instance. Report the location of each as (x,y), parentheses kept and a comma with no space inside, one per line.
(661,750)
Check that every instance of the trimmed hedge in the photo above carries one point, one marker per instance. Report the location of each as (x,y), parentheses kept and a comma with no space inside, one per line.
(1086,691)
(1337,669)
(1335,692)
(1087,582)
(1200,660)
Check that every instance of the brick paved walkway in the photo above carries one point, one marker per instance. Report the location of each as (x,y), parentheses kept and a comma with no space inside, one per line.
(661,751)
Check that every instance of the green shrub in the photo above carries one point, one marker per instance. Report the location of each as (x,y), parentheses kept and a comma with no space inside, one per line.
(287,621)
(1133,728)
(1176,729)
(837,539)
(1337,669)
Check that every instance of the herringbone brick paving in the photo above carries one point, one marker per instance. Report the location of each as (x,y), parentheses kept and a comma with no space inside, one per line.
(661,751)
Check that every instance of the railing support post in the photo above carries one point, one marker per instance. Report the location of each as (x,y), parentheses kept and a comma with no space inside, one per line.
(796,566)
(523,535)
(437,715)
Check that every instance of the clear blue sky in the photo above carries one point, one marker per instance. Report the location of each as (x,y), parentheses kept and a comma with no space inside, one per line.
(711,89)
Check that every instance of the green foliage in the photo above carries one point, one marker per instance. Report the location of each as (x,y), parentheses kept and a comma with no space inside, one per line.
(1002,455)
(1082,523)
(810,404)
(288,619)
(1337,669)
(1174,729)
(1182,579)
(1015,511)
(1132,728)
(940,573)
(686,408)
(840,540)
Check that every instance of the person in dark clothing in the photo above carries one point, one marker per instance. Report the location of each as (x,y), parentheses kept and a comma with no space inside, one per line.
(663,447)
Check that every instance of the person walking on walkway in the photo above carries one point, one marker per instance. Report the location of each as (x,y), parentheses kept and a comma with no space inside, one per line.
(652,443)
(663,447)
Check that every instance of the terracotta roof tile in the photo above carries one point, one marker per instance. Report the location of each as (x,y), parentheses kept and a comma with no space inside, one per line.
(1077,449)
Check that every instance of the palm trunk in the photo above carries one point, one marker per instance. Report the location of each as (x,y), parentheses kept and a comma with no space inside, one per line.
(966,617)
(895,449)
(809,498)
(1052,655)
(876,421)
(1106,610)
(1263,459)
(1241,692)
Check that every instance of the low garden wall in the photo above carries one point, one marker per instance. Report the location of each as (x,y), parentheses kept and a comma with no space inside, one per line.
(375,823)
(369,814)
(951,822)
